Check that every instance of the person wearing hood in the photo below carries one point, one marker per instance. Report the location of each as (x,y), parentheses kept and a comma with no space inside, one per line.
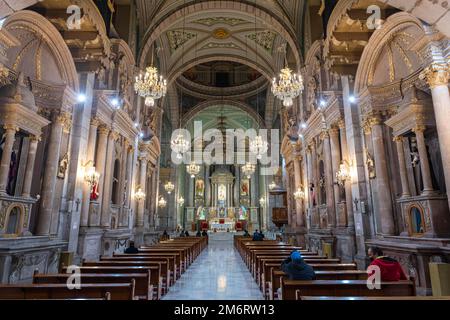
(390,269)
(296,268)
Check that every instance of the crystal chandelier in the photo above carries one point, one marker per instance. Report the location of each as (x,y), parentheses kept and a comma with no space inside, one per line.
(162,202)
(180,145)
(259,146)
(342,174)
(299,194)
(139,195)
(150,86)
(248,169)
(193,169)
(288,87)
(180,201)
(169,187)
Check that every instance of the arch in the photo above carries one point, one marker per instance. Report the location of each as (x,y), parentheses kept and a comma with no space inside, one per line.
(211,103)
(379,39)
(39,25)
(19,222)
(190,9)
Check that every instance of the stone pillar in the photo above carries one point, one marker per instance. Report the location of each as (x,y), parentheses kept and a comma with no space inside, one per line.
(28,179)
(402,166)
(142,184)
(107,186)
(383,186)
(10,137)
(298,185)
(89,162)
(329,179)
(348,184)
(129,178)
(424,163)
(48,220)
(336,161)
(437,76)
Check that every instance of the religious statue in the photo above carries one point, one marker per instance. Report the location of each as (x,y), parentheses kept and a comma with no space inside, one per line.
(415,159)
(222,193)
(312,191)
(245,187)
(199,188)
(94,192)
(370,165)
(63,164)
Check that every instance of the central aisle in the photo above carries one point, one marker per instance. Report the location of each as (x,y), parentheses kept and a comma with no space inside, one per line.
(217,274)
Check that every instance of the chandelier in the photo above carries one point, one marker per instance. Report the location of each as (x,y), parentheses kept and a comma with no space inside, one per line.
(91,176)
(259,147)
(262,202)
(193,169)
(288,87)
(180,145)
(139,195)
(150,86)
(342,174)
(169,187)
(248,169)
(162,202)
(299,194)
(180,201)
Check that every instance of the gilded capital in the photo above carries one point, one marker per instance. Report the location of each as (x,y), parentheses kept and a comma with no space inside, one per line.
(419,129)
(436,75)
(11,128)
(34,138)
(398,139)
(103,130)
(341,124)
(114,135)
(324,135)
(95,122)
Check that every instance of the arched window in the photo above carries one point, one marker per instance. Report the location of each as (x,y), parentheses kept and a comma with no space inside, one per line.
(13,221)
(115,187)
(417,224)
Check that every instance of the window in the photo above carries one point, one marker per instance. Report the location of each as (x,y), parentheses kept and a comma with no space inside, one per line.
(417,225)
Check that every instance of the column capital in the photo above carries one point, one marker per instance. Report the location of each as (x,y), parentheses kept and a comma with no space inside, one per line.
(341,124)
(95,121)
(11,128)
(437,74)
(35,138)
(103,130)
(419,129)
(324,134)
(398,139)
(63,118)
(113,135)
(334,131)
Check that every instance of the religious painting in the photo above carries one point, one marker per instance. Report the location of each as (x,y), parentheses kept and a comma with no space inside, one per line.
(245,187)
(199,188)
(243,213)
(222,195)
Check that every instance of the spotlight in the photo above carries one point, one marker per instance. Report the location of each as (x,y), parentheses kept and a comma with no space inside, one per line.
(141,135)
(303,125)
(300,136)
(352,99)
(136,124)
(81,98)
(323,103)
(115,102)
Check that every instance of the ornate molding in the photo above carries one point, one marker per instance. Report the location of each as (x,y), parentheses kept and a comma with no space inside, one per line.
(436,75)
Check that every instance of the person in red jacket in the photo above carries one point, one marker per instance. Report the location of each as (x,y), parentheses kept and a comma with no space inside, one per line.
(390,269)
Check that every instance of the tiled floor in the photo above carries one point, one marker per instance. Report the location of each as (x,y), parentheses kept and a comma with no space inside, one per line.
(217,274)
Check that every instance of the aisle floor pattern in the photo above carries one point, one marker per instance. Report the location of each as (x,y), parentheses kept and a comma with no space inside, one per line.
(218,273)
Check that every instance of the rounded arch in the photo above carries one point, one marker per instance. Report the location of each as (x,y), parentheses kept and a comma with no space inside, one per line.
(394,25)
(41,27)
(187,10)
(211,103)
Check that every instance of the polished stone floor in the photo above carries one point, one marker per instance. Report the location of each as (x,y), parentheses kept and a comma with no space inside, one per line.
(217,274)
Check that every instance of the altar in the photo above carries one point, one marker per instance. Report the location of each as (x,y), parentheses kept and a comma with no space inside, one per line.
(222,224)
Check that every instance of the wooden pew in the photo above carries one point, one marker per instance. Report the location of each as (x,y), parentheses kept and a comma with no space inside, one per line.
(117,291)
(143,287)
(177,257)
(153,271)
(292,289)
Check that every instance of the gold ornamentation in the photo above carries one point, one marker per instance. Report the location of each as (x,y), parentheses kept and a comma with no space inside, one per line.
(216,20)
(324,135)
(221,33)
(436,75)
(177,38)
(419,129)
(103,130)
(265,39)
(4,73)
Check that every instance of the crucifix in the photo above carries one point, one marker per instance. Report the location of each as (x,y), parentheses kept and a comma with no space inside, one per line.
(356,201)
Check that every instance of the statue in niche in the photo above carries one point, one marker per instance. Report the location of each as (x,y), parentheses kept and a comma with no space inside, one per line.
(370,165)
(312,191)
(415,159)
(63,164)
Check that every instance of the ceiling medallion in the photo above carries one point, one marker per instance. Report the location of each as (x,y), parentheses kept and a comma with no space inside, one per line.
(221,33)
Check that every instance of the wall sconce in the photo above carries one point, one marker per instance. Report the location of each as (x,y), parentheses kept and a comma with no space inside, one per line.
(343,174)
(180,201)
(299,194)
(90,175)
(169,187)
(162,202)
(262,202)
(139,194)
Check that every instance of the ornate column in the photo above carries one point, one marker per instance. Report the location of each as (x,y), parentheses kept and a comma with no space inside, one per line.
(10,137)
(48,219)
(89,158)
(31,158)
(142,184)
(336,161)
(309,175)
(107,186)
(383,186)
(424,162)
(437,76)
(298,185)
(402,165)
(128,186)
(100,161)
(325,136)
(348,184)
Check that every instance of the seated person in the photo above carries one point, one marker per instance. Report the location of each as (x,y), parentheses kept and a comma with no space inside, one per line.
(186,233)
(246,234)
(257,236)
(261,235)
(204,233)
(182,234)
(198,234)
(296,268)
(390,269)
(131,248)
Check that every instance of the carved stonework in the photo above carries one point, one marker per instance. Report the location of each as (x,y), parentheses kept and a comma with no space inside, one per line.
(63,165)
(436,75)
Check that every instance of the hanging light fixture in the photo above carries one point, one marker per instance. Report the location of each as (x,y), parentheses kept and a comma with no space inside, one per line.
(262,202)
(180,145)
(288,87)
(162,202)
(259,146)
(150,86)
(169,187)
(343,174)
(248,169)
(193,169)
(180,201)
(299,194)
(139,194)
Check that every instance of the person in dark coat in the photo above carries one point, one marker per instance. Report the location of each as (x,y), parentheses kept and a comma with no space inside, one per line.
(204,233)
(246,234)
(257,236)
(296,268)
(131,248)
(186,233)
(198,234)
